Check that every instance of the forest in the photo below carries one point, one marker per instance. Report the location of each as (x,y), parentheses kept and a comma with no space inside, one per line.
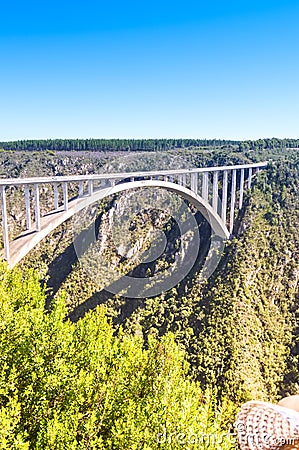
(84,368)
(145,144)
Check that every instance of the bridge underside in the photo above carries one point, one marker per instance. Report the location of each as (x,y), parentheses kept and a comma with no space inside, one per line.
(24,243)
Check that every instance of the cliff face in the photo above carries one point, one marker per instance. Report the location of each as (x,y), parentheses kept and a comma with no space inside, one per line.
(126,248)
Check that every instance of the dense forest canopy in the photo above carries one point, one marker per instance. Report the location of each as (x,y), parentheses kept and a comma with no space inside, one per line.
(112,144)
(144,144)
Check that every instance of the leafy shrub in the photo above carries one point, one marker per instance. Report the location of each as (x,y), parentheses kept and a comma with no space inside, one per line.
(77,386)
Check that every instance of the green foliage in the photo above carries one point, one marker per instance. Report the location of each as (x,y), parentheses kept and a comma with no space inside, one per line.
(240,328)
(91,385)
(259,146)
(78,386)
(113,144)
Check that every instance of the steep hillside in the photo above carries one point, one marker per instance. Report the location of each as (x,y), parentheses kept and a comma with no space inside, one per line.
(239,327)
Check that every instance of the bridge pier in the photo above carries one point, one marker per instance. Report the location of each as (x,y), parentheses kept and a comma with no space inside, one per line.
(215,191)
(205,186)
(81,189)
(249,177)
(241,188)
(224,195)
(56,196)
(27,206)
(36,207)
(5,225)
(65,196)
(90,187)
(194,182)
(232,201)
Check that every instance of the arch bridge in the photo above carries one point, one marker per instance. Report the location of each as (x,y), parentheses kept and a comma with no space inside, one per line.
(217,192)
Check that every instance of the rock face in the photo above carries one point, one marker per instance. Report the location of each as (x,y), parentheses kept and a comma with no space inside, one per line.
(140,237)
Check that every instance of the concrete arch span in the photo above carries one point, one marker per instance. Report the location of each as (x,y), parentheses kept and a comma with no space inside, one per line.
(22,245)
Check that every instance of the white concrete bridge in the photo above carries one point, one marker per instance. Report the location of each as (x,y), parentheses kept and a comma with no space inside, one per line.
(217,192)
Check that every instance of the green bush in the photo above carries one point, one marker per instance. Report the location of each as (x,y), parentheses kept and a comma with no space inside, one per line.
(77,386)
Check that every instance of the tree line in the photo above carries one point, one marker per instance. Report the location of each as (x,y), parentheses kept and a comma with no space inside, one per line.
(112,144)
(145,144)
(269,144)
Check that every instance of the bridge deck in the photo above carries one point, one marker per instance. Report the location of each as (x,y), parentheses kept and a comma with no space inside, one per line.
(124,175)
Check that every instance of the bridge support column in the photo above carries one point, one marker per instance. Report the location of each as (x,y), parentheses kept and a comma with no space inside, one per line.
(27,206)
(241,189)
(5,225)
(224,196)
(36,207)
(232,201)
(90,187)
(215,192)
(65,197)
(194,182)
(249,177)
(205,186)
(56,198)
(81,189)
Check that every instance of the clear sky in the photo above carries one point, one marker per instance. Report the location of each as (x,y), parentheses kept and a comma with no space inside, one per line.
(201,69)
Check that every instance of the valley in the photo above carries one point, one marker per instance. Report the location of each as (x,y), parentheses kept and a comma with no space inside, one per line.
(235,334)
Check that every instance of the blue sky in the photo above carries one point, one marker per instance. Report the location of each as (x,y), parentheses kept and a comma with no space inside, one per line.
(224,69)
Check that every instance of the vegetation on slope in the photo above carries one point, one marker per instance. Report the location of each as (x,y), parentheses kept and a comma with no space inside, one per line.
(77,386)
(241,326)
(238,331)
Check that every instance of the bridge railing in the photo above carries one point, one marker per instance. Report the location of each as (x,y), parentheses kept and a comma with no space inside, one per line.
(123,175)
